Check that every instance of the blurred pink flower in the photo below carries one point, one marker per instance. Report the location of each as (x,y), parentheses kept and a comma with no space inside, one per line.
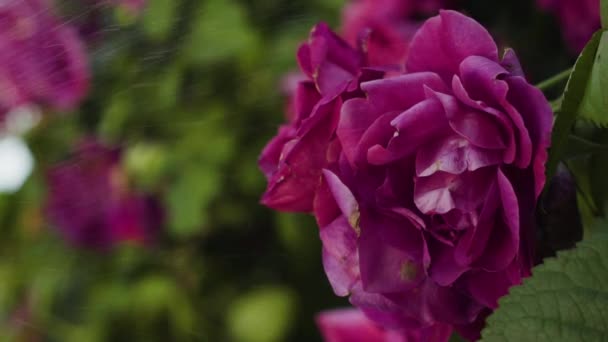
(42,59)
(579,19)
(91,204)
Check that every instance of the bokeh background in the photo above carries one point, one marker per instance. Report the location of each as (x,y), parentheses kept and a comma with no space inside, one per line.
(191,90)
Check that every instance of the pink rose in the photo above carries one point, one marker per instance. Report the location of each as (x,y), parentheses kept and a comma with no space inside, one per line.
(423,184)
(427,214)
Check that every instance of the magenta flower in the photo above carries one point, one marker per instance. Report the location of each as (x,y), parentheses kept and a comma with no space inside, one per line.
(42,59)
(385,27)
(351,325)
(293,160)
(427,215)
(579,19)
(91,205)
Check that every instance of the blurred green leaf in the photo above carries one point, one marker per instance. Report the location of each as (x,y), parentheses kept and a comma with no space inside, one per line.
(159,17)
(284,47)
(8,289)
(153,294)
(115,116)
(146,164)
(188,200)
(107,300)
(300,236)
(124,16)
(263,315)
(221,31)
(331,5)
(85,332)
(168,90)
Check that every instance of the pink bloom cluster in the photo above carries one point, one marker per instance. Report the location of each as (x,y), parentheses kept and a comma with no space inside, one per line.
(91,204)
(423,183)
(42,59)
(579,19)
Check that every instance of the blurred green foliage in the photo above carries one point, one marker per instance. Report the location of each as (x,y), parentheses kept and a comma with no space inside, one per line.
(191,90)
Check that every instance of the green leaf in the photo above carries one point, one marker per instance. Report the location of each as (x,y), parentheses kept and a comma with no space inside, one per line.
(566,299)
(595,102)
(573,96)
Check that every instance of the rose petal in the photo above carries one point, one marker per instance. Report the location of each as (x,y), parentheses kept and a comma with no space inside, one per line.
(481,78)
(293,186)
(444,41)
(417,126)
(442,192)
(453,155)
(340,256)
(401,92)
(503,245)
(390,250)
(506,128)
(355,118)
(444,269)
(477,127)
(488,287)
(538,118)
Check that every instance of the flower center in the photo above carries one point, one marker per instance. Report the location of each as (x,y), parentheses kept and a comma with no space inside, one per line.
(353,220)
(408,271)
